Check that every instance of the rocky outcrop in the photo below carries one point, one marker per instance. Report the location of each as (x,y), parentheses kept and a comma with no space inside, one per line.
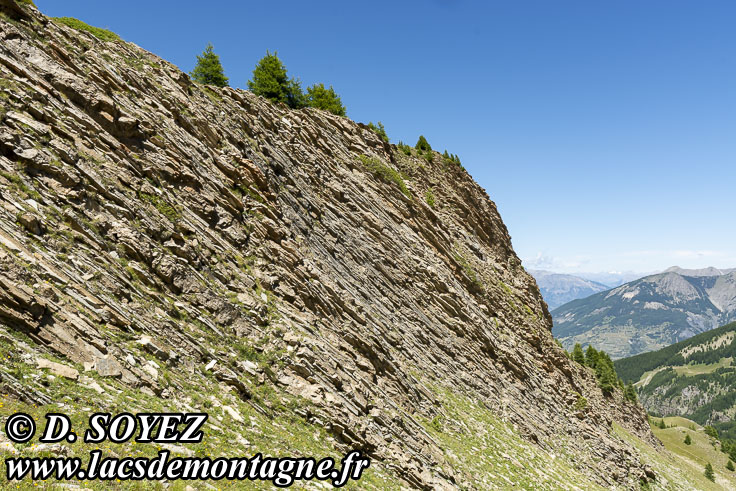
(198,223)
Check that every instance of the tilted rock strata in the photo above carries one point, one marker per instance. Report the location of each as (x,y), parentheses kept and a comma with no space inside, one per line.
(193,218)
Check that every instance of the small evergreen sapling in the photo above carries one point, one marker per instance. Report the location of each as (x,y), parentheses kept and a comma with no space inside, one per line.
(688,440)
(729,466)
(709,474)
(423,145)
(321,98)
(209,69)
(381,131)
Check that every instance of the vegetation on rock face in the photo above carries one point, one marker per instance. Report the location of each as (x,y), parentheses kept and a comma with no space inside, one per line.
(98,32)
(388,174)
(451,158)
(604,370)
(430,198)
(380,130)
(327,99)
(209,69)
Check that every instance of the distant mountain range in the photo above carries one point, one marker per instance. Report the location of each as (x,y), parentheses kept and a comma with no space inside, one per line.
(695,378)
(613,278)
(558,289)
(649,313)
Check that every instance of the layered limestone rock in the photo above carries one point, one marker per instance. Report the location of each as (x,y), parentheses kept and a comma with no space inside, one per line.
(145,216)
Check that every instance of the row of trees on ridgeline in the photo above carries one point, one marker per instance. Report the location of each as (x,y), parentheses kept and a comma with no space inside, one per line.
(270,80)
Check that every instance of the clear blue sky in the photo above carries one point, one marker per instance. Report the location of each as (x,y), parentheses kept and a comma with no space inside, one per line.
(604,131)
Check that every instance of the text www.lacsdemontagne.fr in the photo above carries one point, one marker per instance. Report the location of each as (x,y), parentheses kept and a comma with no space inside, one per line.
(282,472)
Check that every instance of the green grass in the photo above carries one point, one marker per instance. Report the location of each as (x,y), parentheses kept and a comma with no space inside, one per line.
(430,198)
(281,433)
(19,186)
(98,32)
(702,368)
(681,466)
(388,174)
(162,206)
(467,267)
(489,454)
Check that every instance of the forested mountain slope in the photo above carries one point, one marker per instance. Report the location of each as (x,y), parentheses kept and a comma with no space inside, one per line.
(695,378)
(649,313)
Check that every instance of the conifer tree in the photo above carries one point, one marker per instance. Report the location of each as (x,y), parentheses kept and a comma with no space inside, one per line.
(729,466)
(295,97)
(630,393)
(662,424)
(711,431)
(688,440)
(709,474)
(591,357)
(607,378)
(270,80)
(423,145)
(209,69)
(321,98)
(577,354)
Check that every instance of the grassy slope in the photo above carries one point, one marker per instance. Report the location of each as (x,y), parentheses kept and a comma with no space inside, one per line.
(483,451)
(278,432)
(493,456)
(682,466)
(702,368)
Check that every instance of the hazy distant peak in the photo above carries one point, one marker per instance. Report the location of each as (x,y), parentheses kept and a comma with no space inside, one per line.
(709,271)
(558,288)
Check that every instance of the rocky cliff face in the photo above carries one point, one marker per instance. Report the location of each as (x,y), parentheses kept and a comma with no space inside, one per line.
(195,247)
